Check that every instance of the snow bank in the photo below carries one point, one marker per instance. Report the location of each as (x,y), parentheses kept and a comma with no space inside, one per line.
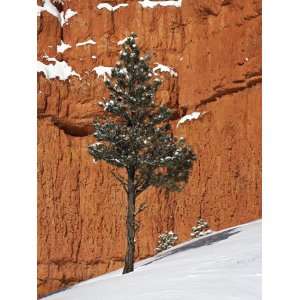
(59,69)
(62,17)
(194,115)
(163,68)
(63,47)
(88,42)
(111,7)
(225,265)
(103,71)
(152,4)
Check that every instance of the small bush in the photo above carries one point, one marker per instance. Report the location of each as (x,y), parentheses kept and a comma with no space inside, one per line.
(166,241)
(200,229)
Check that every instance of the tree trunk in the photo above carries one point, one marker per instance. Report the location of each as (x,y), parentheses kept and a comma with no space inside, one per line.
(129,259)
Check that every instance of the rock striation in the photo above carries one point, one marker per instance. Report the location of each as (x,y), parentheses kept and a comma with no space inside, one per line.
(214,46)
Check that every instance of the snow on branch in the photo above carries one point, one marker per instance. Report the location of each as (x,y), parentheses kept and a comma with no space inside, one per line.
(111,7)
(152,4)
(88,42)
(194,115)
(59,69)
(121,42)
(163,68)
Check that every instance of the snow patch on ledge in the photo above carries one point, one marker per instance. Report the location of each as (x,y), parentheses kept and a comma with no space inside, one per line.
(103,71)
(111,7)
(68,15)
(152,4)
(193,116)
(163,68)
(88,42)
(50,8)
(63,47)
(59,69)
(63,17)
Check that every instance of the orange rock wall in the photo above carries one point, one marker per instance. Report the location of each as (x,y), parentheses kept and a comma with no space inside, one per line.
(215,46)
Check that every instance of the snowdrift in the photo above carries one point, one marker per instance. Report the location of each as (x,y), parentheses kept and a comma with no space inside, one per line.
(225,265)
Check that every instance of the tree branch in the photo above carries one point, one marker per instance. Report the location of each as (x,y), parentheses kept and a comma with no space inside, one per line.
(139,182)
(136,226)
(121,180)
(141,208)
(142,185)
(143,182)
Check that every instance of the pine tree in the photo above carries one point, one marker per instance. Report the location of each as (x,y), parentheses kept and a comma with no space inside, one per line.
(166,241)
(135,135)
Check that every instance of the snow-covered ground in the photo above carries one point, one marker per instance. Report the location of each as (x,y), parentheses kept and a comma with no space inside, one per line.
(225,265)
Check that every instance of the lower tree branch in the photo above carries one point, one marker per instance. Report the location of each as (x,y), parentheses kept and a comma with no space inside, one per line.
(141,208)
(121,180)
(142,187)
(136,226)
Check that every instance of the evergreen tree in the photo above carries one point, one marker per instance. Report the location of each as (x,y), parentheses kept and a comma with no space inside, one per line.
(166,241)
(135,135)
(200,229)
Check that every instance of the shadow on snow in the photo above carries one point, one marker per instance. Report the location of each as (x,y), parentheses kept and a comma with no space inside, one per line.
(204,241)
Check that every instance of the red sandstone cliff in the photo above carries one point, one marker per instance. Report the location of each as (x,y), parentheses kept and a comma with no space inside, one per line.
(215,47)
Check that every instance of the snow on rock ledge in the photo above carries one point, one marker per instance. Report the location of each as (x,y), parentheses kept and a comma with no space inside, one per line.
(88,42)
(163,68)
(111,7)
(59,69)
(50,8)
(193,116)
(63,17)
(63,47)
(68,15)
(103,71)
(152,4)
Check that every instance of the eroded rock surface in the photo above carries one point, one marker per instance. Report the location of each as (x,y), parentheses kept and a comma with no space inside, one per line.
(215,47)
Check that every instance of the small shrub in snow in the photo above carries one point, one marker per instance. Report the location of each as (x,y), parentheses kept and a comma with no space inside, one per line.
(166,241)
(200,229)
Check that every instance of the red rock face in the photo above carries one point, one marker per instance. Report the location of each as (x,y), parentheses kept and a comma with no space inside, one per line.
(215,47)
